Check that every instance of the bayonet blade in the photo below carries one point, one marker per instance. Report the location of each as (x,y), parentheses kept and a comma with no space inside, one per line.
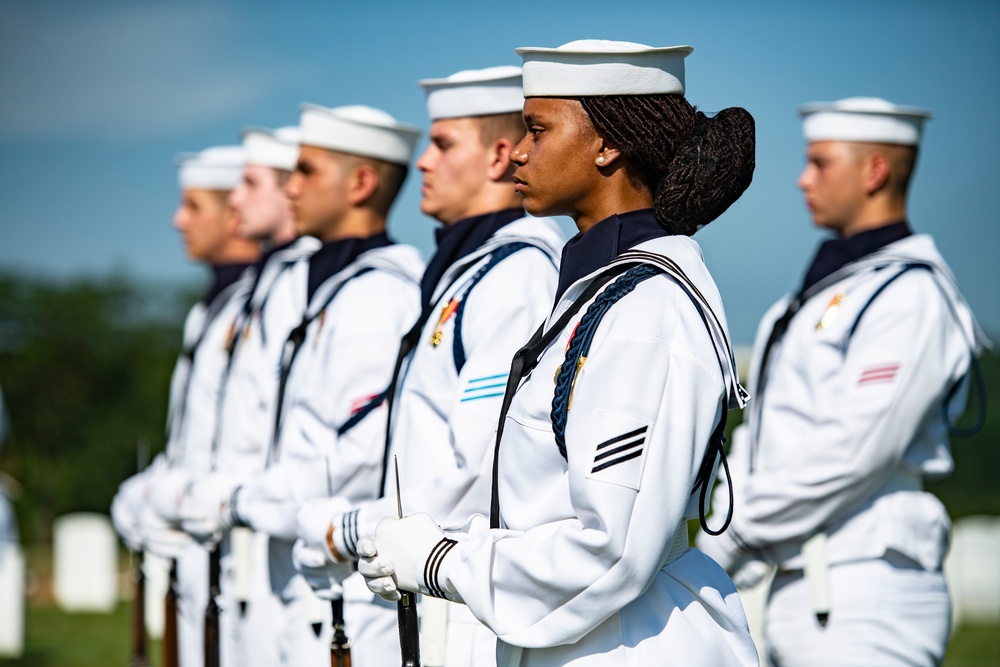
(399,497)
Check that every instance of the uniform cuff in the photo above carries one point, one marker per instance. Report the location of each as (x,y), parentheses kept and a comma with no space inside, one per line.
(435,580)
(351,528)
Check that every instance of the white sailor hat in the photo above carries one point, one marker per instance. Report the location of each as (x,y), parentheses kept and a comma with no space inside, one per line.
(358,130)
(278,149)
(589,67)
(866,119)
(474,92)
(216,168)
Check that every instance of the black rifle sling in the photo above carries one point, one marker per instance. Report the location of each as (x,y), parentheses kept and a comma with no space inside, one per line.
(292,346)
(528,356)
(191,351)
(406,346)
(524,362)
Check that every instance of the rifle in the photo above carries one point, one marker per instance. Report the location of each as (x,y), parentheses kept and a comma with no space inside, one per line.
(138,611)
(170,620)
(212,658)
(340,645)
(138,576)
(406,609)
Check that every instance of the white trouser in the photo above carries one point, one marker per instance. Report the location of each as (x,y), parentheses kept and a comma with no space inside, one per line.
(192,597)
(298,643)
(469,643)
(371,624)
(883,612)
(248,635)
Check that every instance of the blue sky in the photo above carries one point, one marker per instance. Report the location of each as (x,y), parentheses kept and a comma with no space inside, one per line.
(98,97)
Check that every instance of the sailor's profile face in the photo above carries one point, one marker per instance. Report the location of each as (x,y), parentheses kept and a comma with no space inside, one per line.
(318,191)
(556,171)
(832,183)
(454,168)
(259,202)
(202,218)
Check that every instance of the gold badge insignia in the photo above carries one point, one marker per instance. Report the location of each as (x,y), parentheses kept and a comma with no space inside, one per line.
(832,309)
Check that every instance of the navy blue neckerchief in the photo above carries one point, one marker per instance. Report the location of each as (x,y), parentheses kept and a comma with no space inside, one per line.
(223,276)
(334,256)
(834,254)
(258,266)
(457,240)
(589,251)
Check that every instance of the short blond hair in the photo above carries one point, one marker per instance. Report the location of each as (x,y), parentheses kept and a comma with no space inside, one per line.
(508,126)
(391,177)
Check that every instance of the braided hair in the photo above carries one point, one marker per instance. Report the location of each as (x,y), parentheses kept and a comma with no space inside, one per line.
(694,166)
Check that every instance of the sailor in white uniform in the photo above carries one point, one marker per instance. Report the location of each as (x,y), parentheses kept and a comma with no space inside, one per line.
(361,292)
(246,407)
(858,375)
(488,286)
(8,523)
(146,508)
(614,410)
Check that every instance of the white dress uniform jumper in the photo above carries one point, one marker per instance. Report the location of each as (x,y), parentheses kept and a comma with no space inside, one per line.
(482,301)
(194,388)
(336,359)
(599,464)
(246,416)
(863,376)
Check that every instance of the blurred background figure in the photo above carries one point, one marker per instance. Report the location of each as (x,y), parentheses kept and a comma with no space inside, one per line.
(8,523)
(148,506)
(858,378)
(361,292)
(11,563)
(488,285)
(275,305)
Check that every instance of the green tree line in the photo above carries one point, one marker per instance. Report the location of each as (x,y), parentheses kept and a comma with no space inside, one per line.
(85,369)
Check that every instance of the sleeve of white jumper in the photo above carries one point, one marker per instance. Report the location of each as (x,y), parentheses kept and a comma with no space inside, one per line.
(451,480)
(898,366)
(347,359)
(644,407)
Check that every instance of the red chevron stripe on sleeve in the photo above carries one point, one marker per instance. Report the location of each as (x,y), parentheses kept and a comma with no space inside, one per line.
(880,373)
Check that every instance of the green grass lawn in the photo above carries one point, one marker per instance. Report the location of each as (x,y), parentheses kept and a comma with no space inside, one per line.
(57,639)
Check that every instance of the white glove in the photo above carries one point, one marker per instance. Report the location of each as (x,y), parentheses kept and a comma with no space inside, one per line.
(161,538)
(313,521)
(204,511)
(125,509)
(723,549)
(750,573)
(165,491)
(395,559)
(324,576)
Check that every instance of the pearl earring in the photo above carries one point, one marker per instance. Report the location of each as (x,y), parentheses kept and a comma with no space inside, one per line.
(600,160)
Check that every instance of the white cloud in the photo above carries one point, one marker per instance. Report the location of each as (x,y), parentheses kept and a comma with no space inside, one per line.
(127,72)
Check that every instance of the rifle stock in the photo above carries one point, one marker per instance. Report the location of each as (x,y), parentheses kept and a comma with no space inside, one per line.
(170,620)
(409,631)
(138,611)
(212,657)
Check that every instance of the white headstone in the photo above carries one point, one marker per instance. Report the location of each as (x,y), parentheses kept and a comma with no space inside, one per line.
(973,570)
(11,600)
(85,562)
